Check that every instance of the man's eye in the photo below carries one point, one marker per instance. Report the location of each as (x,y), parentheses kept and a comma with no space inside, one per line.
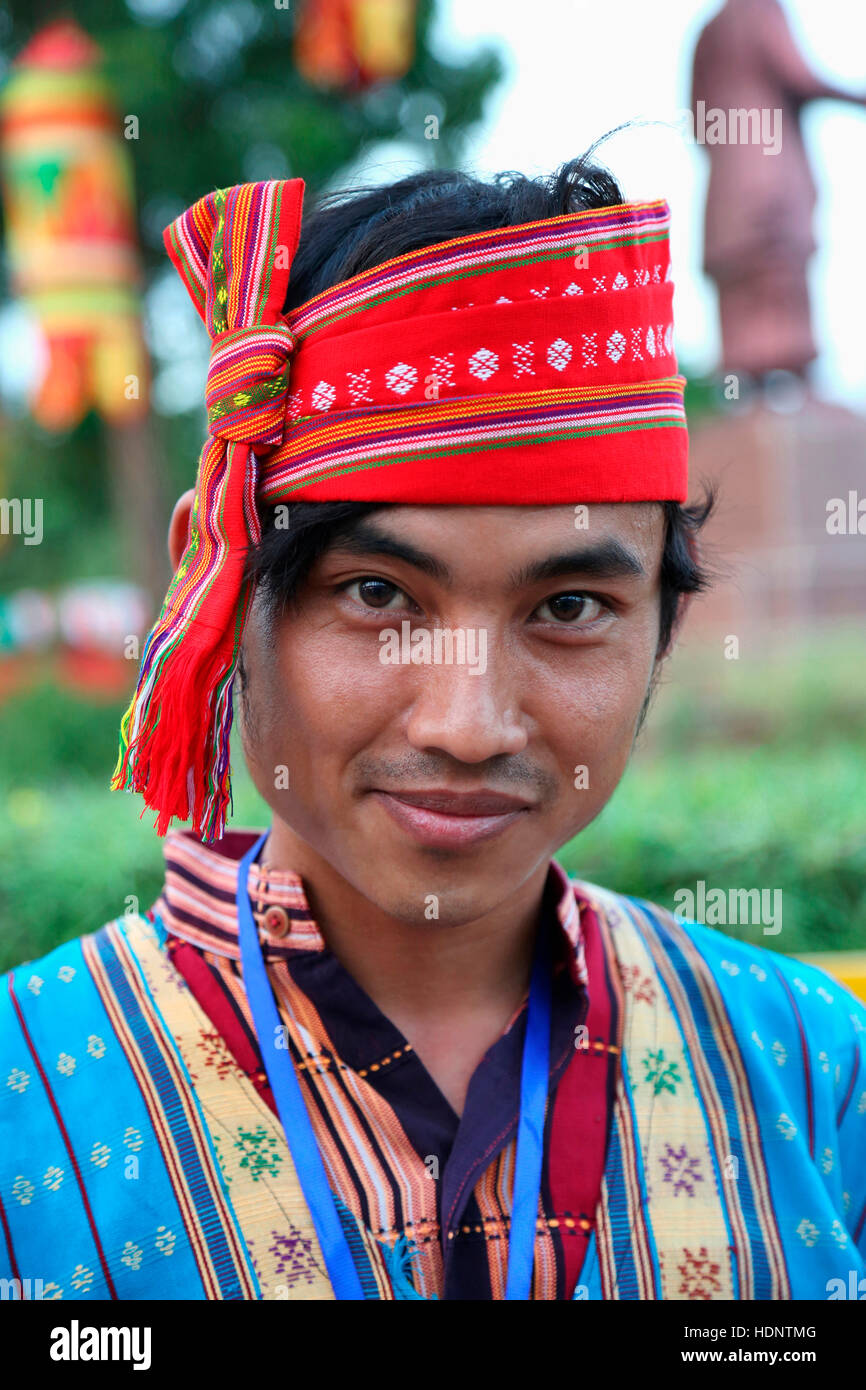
(374,593)
(575,609)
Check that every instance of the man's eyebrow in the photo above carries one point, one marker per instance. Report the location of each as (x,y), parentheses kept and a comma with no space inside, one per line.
(606,559)
(366,539)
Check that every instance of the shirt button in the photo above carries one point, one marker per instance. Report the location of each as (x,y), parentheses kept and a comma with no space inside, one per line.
(276,921)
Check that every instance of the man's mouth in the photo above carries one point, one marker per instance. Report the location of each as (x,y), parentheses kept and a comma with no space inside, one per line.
(450,819)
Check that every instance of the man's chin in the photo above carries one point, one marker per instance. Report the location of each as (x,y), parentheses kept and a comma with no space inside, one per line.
(422,892)
(424,909)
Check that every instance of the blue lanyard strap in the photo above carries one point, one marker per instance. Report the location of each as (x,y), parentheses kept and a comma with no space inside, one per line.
(530,1130)
(289,1100)
(301,1139)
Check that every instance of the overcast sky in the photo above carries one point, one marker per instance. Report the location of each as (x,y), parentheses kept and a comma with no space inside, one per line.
(577,69)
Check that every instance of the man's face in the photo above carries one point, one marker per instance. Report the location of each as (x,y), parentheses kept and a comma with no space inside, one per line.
(534,716)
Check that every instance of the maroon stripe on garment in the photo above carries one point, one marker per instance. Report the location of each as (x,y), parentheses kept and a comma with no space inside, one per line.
(212,996)
(850,1091)
(581,1113)
(60,1125)
(4,1222)
(807,1071)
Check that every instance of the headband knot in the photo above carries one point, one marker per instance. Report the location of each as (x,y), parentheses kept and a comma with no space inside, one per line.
(247,386)
(233,249)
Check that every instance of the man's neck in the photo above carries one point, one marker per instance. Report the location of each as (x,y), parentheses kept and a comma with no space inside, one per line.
(450,990)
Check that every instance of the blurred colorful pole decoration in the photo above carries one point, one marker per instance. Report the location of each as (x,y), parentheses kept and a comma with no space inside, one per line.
(350,44)
(71,235)
(70,226)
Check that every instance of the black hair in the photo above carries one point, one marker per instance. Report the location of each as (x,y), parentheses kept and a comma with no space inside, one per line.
(353,230)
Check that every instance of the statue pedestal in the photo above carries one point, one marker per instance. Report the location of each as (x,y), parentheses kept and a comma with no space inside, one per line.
(775,475)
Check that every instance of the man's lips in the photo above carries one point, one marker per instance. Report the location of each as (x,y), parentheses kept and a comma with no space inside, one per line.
(479,803)
(451,819)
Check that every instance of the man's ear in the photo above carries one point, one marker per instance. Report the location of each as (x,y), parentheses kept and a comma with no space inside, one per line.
(178,527)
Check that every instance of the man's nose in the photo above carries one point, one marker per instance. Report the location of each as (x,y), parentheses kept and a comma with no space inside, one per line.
(470,714)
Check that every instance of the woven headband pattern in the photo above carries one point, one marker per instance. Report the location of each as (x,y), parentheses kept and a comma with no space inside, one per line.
(525,365)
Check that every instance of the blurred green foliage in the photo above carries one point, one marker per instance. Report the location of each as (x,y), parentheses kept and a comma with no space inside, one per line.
(701,394)
(748,775)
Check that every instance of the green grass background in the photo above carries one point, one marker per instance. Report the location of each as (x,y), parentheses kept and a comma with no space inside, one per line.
(749,774)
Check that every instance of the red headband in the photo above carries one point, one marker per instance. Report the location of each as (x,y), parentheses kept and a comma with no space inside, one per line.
(525,365)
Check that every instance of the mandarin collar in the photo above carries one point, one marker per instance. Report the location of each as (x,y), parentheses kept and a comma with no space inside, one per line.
(198,900)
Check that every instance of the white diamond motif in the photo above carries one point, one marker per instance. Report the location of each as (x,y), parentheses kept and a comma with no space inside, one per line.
(483,364)
(615,346)
(401,378)
(324,395)
(559,354)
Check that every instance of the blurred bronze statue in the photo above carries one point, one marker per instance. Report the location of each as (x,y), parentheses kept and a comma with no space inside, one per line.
(749,85)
